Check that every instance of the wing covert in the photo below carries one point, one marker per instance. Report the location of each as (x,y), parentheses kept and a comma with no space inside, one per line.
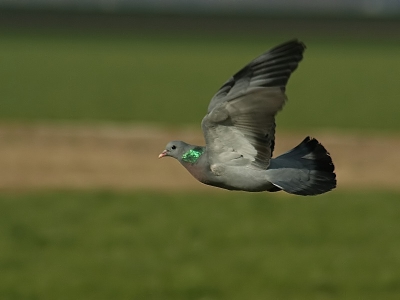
(239,127)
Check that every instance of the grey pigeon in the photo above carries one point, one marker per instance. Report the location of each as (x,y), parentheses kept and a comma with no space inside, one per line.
(239,131)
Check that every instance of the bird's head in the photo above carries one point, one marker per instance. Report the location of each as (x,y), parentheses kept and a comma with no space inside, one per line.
(183,152)
(174,149)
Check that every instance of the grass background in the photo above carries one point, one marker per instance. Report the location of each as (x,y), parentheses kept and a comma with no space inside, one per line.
(146,245)
(143,245)
(169,79)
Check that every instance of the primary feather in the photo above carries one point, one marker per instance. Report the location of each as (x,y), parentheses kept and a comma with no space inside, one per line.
(241,116)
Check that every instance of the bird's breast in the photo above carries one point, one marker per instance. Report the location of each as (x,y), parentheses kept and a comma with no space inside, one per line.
(198,171)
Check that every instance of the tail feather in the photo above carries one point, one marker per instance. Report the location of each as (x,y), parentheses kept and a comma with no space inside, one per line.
(305,170)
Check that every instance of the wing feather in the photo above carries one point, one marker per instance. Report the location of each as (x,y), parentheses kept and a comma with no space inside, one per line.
(239,127)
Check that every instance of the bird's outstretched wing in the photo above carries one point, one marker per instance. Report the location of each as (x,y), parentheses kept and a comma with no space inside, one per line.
(239,127)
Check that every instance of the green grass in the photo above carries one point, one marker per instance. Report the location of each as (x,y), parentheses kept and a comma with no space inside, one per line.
(100,245)
(169,79)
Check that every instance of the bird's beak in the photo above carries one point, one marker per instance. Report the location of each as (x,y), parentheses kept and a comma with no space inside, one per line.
(164,153)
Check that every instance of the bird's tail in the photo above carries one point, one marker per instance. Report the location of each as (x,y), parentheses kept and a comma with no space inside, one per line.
(305,170)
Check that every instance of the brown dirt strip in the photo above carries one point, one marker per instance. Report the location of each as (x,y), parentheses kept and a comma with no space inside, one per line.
(121,157)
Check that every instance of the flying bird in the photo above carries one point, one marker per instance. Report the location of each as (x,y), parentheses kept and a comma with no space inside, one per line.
(239,132)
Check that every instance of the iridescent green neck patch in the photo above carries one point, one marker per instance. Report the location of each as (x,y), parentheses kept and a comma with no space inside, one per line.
(193,155)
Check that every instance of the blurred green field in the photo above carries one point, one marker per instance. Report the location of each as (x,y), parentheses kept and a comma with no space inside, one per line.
(146,245)
(101,245)
(169,79)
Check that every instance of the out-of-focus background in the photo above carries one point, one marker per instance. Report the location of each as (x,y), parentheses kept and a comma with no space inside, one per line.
(90,93)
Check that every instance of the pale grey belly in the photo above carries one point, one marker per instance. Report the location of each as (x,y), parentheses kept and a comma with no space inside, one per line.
(241,178)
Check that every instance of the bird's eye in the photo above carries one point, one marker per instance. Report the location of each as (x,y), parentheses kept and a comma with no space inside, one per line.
(173,147)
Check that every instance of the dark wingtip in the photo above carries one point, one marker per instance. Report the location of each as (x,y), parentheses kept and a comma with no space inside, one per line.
(289,45)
